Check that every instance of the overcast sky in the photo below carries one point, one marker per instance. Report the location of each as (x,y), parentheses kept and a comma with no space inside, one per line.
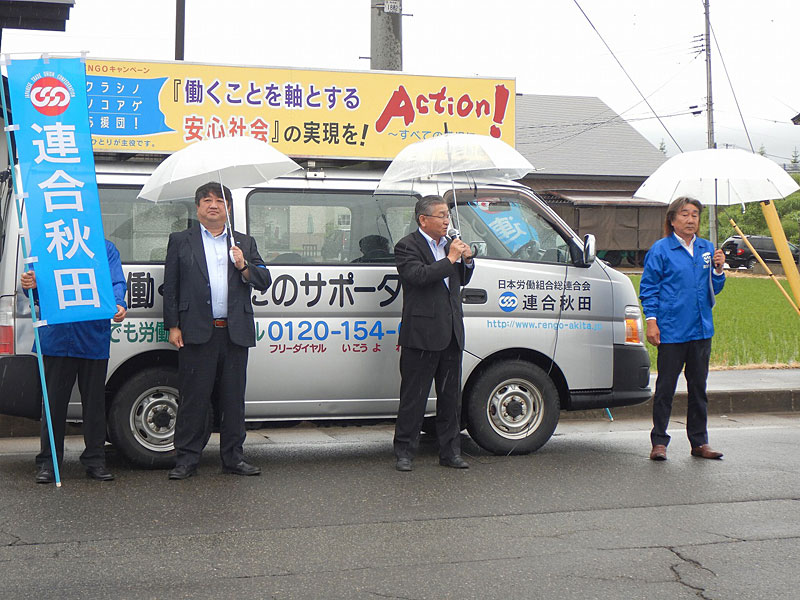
(548,46)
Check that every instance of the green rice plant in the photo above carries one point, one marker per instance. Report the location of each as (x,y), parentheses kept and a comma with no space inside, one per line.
(754,325)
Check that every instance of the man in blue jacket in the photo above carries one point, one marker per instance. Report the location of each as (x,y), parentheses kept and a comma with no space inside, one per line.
(682,275)
(78,350)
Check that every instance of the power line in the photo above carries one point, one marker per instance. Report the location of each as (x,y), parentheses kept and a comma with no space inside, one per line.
(627,75)
(730,84)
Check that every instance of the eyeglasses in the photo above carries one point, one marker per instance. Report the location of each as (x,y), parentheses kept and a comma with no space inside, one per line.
(438,216)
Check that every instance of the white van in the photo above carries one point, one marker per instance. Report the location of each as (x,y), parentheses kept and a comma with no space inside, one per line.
(548,328)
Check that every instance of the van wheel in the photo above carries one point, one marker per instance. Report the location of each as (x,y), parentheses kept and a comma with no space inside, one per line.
(751,263)
(513,408)
(141,421)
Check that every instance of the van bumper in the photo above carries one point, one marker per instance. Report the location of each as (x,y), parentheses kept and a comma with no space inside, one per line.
(20,388)
(631,384)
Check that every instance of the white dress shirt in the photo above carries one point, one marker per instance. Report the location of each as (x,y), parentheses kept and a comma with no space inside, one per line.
(216,249)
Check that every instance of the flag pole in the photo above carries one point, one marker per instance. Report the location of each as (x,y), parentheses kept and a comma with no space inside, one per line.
(17,197)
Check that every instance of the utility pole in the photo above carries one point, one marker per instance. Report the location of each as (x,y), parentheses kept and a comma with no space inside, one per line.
(386,40)
(180,27)
(712,210)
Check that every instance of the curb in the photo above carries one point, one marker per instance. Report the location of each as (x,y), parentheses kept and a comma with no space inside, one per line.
(723,402)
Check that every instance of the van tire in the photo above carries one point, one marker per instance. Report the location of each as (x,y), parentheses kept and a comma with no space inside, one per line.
(141,419)
(512,408)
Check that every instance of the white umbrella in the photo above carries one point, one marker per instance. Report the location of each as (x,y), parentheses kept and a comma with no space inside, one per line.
(232,161)
(450,153)
(718,176)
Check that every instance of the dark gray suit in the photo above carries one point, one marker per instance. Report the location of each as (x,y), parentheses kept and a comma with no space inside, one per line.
(211,356)
(432,340)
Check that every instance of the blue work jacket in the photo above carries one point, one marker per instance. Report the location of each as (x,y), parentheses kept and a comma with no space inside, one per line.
(86,339)
(678,289)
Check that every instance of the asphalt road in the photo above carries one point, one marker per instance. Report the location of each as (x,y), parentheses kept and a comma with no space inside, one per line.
(588,516)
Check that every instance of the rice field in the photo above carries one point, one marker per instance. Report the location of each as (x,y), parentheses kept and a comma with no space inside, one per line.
(754,324)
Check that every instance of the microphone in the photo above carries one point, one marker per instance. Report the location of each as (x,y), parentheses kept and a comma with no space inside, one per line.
(452,233)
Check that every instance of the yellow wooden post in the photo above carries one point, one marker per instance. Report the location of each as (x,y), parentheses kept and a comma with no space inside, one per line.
(782,246)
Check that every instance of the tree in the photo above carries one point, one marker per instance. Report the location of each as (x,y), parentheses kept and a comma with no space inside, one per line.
(795,158)
(663,147)
(762,151)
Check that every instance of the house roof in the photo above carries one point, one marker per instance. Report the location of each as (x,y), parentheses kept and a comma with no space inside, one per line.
(45,15)
(580,136)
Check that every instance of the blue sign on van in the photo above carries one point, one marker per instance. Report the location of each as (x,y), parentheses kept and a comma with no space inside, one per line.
(119,106)
(65,228)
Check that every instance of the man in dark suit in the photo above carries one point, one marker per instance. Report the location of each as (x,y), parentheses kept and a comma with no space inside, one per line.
(432,270)
(208,312)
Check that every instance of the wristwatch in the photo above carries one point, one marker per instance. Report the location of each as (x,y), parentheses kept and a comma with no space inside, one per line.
(243,269)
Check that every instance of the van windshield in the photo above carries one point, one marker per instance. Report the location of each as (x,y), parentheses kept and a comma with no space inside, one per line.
(507,225)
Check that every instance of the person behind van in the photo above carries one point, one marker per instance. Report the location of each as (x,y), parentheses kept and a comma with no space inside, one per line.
(682,274)
(208,312)
(79,351)
(374,248)
(432,270)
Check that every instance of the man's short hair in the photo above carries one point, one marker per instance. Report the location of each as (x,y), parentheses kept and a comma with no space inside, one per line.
(425,204)
(674,208)
(212,188)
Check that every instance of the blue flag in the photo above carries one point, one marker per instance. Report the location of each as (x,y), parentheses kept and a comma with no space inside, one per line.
(64,221)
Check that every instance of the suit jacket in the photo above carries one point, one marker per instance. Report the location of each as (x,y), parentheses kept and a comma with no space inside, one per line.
(431,312)
(187,294)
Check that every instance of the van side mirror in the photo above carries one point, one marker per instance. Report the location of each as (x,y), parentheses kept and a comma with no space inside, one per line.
(589,249)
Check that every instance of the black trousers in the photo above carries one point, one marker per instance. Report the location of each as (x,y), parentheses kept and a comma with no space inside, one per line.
(60,373)
(418,369)
(671,360)
(200,366)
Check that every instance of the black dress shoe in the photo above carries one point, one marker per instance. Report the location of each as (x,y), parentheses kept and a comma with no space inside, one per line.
(182,472)
(403,464)
(99,473)
(242,468)
(45,474)
(455,462)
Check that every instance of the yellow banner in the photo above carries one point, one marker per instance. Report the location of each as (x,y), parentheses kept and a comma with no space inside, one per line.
(163,107)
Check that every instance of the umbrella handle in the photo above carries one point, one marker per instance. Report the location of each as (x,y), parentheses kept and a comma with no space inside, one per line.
(227,217)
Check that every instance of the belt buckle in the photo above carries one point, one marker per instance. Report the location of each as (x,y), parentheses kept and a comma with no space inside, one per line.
(220,323)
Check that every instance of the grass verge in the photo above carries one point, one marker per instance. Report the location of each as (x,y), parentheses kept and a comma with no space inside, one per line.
(754,325)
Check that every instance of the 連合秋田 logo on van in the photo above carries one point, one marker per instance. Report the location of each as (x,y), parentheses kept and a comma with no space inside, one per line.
(49,95)
(507,301)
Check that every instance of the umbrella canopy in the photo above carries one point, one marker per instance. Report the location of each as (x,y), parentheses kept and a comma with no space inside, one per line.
(718,176)
(232,161)
(450,153)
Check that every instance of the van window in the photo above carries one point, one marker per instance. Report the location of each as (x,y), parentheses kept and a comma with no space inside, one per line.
(508,226)
(300,227)
(140,228)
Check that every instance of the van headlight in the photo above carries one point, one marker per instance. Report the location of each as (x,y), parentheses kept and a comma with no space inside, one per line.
(633,325)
